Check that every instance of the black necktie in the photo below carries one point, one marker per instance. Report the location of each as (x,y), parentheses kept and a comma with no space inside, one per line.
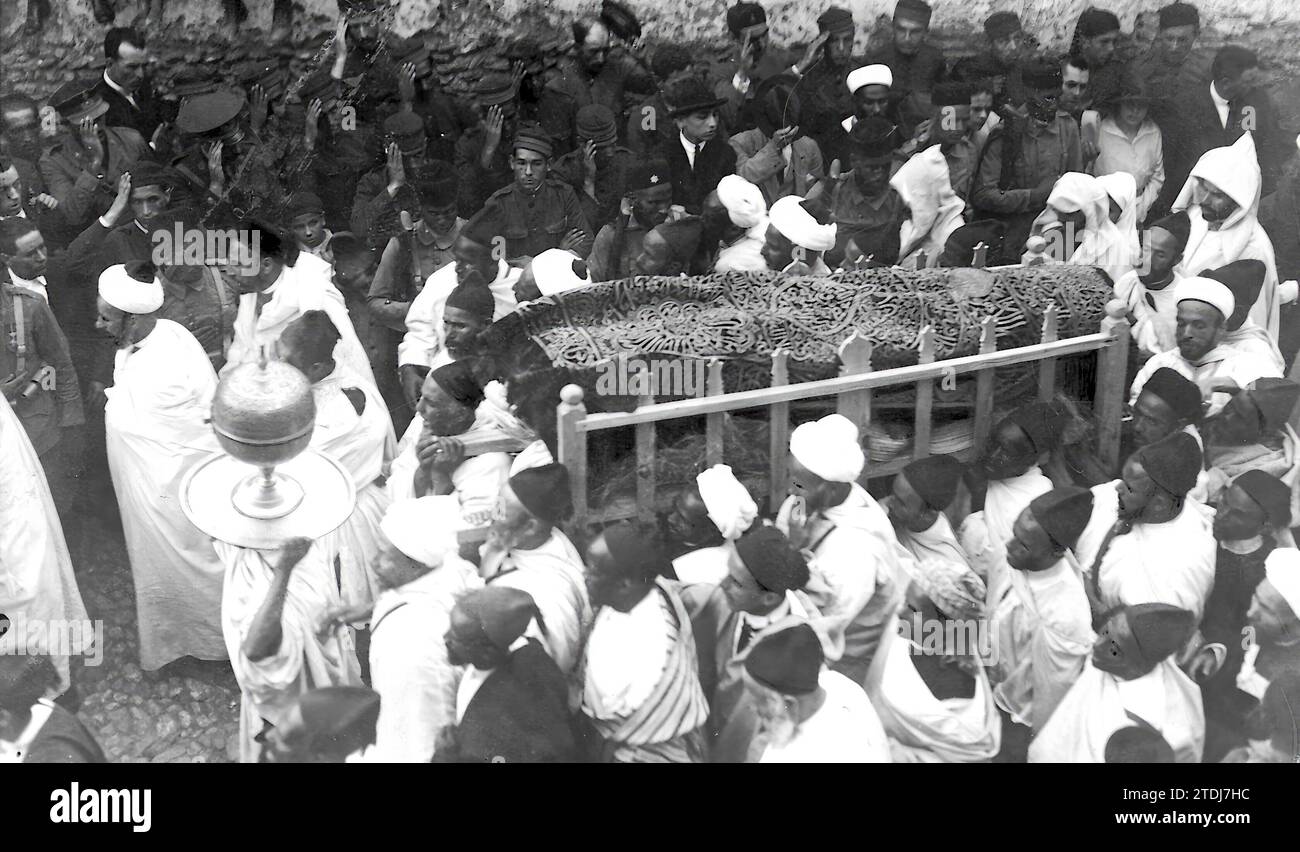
(699,147)
(746,636)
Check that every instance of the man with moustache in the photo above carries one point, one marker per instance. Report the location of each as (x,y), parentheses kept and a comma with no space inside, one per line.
(1150,290)
(916,65)
(126,87)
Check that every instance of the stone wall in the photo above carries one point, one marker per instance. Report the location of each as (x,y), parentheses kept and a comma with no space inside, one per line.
(464,32)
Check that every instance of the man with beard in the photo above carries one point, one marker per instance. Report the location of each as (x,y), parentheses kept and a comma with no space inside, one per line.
(1254,432)
(1023,158)
(1132,675)
(81,169)
(735,81)
(537,212)
(808,713)
(1204,306)
(776,155)
(420,575)
(1150,289)
(108,240)
(1000,63)
(474,266)
(700,156)
(125,86)
(641,690)
(527,550)
(1001,483)
(512,703)
(864,207)
(1040,621)
(669,248)
(713,510)
(596,74)
(1148,541)
(916,65)
(648,195)
(1096,41)
(1245,278)
(744,232)
(1250,512)
(157,422)
(1222,202)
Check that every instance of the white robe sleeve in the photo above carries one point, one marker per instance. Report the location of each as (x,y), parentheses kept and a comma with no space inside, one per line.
(416,686)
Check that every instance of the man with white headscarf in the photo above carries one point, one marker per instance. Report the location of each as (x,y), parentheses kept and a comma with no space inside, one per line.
(1222,201)
(1204,306)
(156,422)
(1121,190)
(798,233)
(707,515)
(421,576)
(746,209)
(1078,229)
(855,554)
(551,272)
(936,211)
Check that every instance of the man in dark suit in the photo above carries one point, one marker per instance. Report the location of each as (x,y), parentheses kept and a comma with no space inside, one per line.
(699,157)
(125,85)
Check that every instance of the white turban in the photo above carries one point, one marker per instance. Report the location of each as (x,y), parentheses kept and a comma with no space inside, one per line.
(870,75)
(730,506)
(129,294)
(743,200)
(1282,569)
(829,448)
(798,225)
(1207,290)
(424,528)
(553,272)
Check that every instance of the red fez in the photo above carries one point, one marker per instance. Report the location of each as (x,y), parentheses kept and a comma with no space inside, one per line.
(544,491)
(1063,513)
(788,661)
(773,562)
(935,478)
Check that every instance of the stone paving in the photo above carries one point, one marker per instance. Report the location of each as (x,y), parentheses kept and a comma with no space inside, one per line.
(185,713)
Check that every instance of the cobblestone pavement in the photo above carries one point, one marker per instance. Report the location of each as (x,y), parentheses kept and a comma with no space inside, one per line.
(186,713)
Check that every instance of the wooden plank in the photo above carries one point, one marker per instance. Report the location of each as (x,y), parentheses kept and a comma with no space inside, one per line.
(1047,366)
(984,382)
(714,423)
(1112,387)
(843,384)
(571,442)
(778,445)
(855,360)
(924,397)
(645,454)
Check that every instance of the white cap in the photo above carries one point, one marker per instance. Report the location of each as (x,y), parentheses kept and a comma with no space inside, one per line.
(1209,291)
(870,75)
(129,294)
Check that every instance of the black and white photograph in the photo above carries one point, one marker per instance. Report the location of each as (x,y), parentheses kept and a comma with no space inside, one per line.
(620,381)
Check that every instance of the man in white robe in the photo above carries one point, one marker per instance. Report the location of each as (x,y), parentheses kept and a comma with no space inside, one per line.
(37,585)
(1254,432)
(156,422)
(527,550)
(921,493)
(1131,676)
(1221,198)
(1147,541)
(1121,193)
(274,292)
(856,559)
(808,713)
(922,182)
(747,209)
(641,688)
(1078,229)
(274,616)
(1245,278)
(1001,484)
(436,461)
(1150,291)
(1041,626)
(421,576)
(1204,306)
(706,514)
(354,429)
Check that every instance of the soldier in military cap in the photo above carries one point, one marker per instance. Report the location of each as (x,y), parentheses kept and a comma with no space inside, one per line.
(445,118)
(597,73)
(82,167)
(598,169)
(536,212)
(645,203)
(374,209)
(327,155)
(481,160)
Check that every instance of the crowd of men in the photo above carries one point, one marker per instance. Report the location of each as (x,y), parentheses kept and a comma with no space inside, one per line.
(365,227)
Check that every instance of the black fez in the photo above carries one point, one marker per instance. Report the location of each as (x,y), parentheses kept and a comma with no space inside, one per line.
(770,558)
(637,549)
(148,173)
(474,299)
(1272,494)
(1178,392)
(1177,224)
(1063,513)
(1173,462)
(458,382)
(544,491)
(501,612)
(1159,630)
(1179,15)
(1275,400)
(788,661)
(340,719)
(1095,22)
(301,203)
(935,479)
(1245,278)
(1041,423)
(648,173)
(1138,744)
(874,138)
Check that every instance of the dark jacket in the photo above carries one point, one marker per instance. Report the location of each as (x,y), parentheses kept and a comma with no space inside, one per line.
(144,118)
(690,186)
(531,224)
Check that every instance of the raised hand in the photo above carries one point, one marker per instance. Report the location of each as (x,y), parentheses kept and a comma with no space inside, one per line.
(88,134)
(396,168)
(406,83)
(493,124)
(813,53)
(311,128)
(292,552)
(121,200)
(257,106)
(572,240)
(785,136)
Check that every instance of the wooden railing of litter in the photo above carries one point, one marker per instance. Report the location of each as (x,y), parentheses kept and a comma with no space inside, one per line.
(853,389)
